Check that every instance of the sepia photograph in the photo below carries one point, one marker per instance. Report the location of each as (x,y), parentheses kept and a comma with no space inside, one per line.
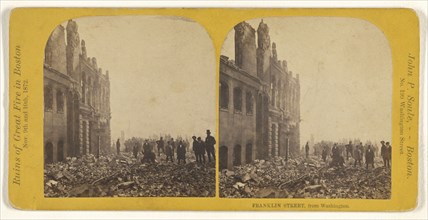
(129,108)
(305,109)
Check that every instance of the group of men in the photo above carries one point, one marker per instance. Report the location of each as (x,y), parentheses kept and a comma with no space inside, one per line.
(357,152)
(172,147)
(201,147)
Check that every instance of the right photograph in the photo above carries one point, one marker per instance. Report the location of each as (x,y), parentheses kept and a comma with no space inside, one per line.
(305,109)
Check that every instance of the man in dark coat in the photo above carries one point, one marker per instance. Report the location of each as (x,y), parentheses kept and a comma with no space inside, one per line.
(324,153)
(195,148)
(307,149)
(147,152)
(161,145)
(135,150)
(172,142)
(181,152)
(358,155)
(369,157)
(169,153)
(118,146)
(209,146)
(388,152)
(349,150)
(337,160)
(202,150)
(383,152)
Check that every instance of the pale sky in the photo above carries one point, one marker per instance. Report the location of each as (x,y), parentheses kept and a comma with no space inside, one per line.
(345,72)
(162,73)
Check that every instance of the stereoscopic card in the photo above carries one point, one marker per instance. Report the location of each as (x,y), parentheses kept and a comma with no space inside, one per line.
(213,109)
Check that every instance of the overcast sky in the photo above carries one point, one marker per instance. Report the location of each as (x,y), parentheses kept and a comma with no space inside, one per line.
(162,73)
(163,80)
(345,72)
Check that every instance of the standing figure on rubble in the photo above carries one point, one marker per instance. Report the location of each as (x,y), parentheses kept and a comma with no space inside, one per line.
(324,153)
(209,145)
(195,148)
(337,159)
(387,156)
(118,146)
(160,144)
(181,152)
(172,142)
(169,152)
(383,153)
(358,155)
(202,150)
(349,150)
(369,157)
(307,149)
(186,146)
(147,151)
(135,150)
(362,149)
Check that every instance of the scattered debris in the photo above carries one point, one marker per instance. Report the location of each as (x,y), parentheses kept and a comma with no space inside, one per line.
(305,178)
(126,176)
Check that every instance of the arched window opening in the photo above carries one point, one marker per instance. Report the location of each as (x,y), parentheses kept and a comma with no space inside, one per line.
(60,150)
(249,153)
(59,101)
(237,155)
(48,98)
(223,157)
(224,95)
(237,99)
(48,153)
(249,103)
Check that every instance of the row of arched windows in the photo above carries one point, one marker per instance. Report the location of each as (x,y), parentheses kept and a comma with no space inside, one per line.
(49,152)
(236,155)
(278,93)
(49,99)
(91,91)
(237,99)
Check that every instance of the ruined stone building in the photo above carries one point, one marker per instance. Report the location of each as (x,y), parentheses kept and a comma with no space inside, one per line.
(76,98)
(259,101)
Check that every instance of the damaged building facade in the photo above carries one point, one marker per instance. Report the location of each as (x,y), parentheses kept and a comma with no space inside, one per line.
(259,101)
(76,98)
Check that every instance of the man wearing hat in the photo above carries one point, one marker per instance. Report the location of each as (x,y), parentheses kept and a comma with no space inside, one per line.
(147,152)
(195,148)
(201,150)
(388,152)
(169,152)
(160,143)
(349,150)
(369,157)
(383,152)
(209,144)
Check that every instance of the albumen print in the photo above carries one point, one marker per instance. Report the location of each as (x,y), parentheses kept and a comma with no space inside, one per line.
(123,97)
(305,109)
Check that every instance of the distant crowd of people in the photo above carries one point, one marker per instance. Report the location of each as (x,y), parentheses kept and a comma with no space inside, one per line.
(173,148)
(358,153)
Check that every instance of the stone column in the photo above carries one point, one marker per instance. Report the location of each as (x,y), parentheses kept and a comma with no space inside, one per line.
(276,139)
(81,136)
(231,108)
(244,101)
(88,135)
(270,137)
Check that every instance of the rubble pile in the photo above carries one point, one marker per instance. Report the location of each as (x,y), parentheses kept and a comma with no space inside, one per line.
(125,176)
(304,178)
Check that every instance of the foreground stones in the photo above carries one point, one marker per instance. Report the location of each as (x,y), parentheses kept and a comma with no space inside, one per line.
(304,178)
(125,176)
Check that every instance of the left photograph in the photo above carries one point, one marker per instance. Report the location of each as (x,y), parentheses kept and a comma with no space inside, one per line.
(129,108)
